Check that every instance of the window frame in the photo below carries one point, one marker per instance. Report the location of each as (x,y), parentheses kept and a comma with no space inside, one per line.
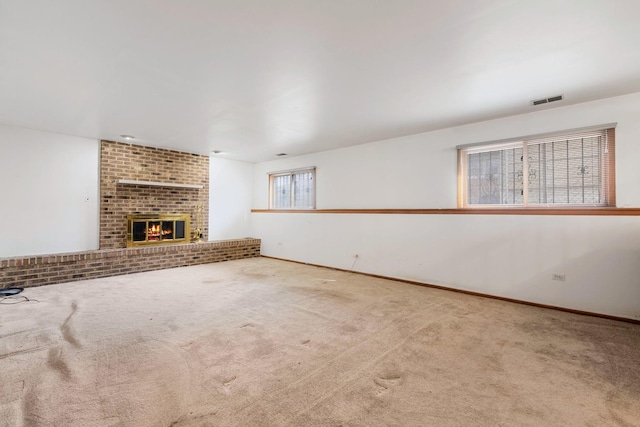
(607,169)
(291,173)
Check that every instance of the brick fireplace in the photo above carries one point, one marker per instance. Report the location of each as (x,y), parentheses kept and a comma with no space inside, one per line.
(144,182)
(186,179)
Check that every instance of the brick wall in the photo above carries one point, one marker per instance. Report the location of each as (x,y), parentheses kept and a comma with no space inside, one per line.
(61,268)
(135,162)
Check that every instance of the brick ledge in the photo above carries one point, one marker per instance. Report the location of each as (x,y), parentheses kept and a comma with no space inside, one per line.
(26,271)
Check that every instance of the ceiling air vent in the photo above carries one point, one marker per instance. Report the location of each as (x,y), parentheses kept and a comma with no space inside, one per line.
(547,100)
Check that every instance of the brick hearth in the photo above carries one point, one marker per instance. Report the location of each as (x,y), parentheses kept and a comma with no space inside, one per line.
(61,268)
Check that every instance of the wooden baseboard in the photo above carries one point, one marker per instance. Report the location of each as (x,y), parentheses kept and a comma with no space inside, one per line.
(478,294)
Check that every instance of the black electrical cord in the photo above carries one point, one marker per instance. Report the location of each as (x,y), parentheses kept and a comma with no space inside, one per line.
(16,299)
(9,292)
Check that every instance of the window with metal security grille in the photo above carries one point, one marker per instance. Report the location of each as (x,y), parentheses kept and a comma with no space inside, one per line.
(573,169)
(293,189)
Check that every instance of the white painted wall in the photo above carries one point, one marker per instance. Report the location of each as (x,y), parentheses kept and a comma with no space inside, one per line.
(510,256)
(230,198)
(49,192)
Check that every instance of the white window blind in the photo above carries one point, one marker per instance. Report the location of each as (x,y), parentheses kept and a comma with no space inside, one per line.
(574,169)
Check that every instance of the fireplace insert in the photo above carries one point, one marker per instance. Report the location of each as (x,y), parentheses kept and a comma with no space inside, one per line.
(154,229)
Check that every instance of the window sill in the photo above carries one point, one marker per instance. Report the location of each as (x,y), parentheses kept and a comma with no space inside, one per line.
(593,211)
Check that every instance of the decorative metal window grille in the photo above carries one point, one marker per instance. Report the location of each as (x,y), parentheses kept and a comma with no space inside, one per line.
(293,189)
(571,169)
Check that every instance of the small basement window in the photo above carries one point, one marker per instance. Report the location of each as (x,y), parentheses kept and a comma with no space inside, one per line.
(295,189)
(571,169)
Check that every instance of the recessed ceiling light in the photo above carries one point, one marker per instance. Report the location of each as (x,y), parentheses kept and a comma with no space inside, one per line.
(281,154)
(128,137)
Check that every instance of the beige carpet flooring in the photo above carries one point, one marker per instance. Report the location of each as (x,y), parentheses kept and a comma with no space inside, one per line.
(261,342)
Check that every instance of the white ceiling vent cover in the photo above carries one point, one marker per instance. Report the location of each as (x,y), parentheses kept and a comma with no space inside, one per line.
(547,100)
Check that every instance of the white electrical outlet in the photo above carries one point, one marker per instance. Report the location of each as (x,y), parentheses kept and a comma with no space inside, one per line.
(560,277)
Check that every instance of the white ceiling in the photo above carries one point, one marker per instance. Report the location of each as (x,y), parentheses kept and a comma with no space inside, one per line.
(253,78)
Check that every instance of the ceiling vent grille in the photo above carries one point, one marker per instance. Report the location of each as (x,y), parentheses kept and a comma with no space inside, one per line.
(547,100)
